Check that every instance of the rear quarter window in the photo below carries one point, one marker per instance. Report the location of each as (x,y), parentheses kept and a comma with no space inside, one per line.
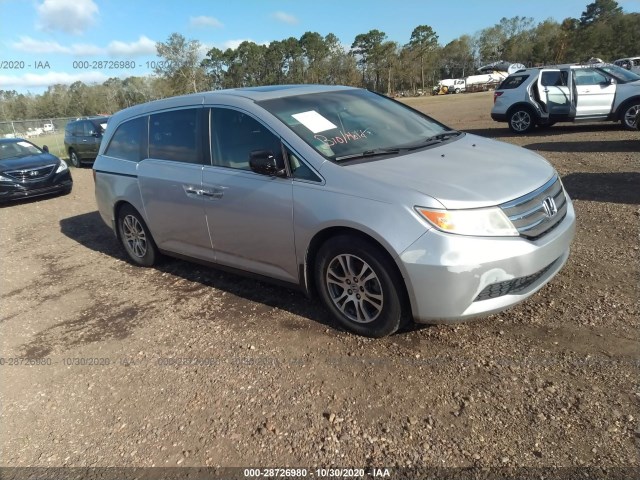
(127,142)
(514,81)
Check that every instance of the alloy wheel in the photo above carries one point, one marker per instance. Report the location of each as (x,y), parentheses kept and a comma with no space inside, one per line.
(521,121)
(354,288)
(134,236)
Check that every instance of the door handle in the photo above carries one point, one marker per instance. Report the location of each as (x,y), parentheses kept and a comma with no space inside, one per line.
(191,190)
(213,193)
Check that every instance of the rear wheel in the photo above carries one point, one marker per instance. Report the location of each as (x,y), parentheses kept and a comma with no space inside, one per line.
(521,120)
(136,238)
(628,116)
(359,286)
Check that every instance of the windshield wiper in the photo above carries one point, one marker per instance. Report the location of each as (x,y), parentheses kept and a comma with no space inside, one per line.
(369,153)
(443,136)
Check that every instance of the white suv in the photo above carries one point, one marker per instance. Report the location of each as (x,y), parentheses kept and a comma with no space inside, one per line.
(567,93)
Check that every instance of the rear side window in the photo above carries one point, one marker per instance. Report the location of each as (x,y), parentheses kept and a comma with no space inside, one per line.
(554,79)
(174,136)
(128,140)
(514,81)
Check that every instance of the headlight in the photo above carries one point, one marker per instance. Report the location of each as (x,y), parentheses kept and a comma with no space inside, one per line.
(62,167)
(482,222)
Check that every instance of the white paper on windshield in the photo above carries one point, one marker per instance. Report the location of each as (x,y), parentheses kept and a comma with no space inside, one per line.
(24,144)
(314,121)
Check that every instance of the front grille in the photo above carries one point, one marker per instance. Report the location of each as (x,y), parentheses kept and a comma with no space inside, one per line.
(529,215)
(514,285)
(32,174)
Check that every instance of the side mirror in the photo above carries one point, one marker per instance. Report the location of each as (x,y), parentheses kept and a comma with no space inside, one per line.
(45,148)
(264,163)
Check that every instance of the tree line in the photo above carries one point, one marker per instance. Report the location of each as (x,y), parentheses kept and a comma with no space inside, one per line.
(603,30)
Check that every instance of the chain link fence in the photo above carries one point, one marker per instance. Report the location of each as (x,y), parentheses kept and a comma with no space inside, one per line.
(43,131)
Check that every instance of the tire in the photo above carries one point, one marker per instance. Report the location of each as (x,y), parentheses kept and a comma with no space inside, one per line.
(628,115)
(75,160)
(373,308)
(136,238)
(521,120)
(457,90)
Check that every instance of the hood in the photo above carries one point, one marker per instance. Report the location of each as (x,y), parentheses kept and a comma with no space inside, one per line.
(32,161)
(469,172)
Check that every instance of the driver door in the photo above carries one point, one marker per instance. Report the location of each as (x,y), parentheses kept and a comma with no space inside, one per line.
(249,215)
(595,92)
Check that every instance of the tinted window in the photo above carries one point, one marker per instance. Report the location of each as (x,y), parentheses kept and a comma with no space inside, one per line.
(554,79)
(78,129)
(174,136)
(235,135)
(88,129)
(127,143)
(513,81)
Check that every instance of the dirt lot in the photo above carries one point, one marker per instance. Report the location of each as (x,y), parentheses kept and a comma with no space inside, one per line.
(201,368)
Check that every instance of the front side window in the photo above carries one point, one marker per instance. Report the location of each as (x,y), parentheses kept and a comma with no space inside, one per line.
(235,135)
(128,140)
(88,129)
(586,76)
(347,123)
(173,136)
(300,170)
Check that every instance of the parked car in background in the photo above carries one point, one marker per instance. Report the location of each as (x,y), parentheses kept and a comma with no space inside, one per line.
(82,139)
(29,171)
(630,63)
(567,93)
(382,210)
(48,128)
(33,132)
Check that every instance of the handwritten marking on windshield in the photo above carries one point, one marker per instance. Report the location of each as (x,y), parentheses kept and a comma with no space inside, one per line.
(344,137)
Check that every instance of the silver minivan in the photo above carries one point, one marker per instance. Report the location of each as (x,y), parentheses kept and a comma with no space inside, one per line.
(384,212)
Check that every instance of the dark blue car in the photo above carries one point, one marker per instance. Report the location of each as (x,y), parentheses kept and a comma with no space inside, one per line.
(29,171)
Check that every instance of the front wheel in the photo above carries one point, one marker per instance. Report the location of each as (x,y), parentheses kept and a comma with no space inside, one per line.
(75,160)
(521,120)
(628,117)
(136,238)
(359,286)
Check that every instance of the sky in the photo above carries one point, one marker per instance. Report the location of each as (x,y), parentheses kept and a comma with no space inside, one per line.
(44,42)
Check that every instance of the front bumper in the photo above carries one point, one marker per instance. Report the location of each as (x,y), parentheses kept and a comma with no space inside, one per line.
(10,191)
(451,278)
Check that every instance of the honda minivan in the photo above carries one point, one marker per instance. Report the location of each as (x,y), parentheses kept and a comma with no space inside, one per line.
(385,213)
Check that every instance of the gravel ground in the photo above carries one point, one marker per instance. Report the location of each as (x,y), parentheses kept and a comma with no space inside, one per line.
(189,366)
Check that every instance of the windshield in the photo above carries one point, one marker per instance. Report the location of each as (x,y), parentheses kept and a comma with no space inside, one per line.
(348,123)
(19,149)
(621,73)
